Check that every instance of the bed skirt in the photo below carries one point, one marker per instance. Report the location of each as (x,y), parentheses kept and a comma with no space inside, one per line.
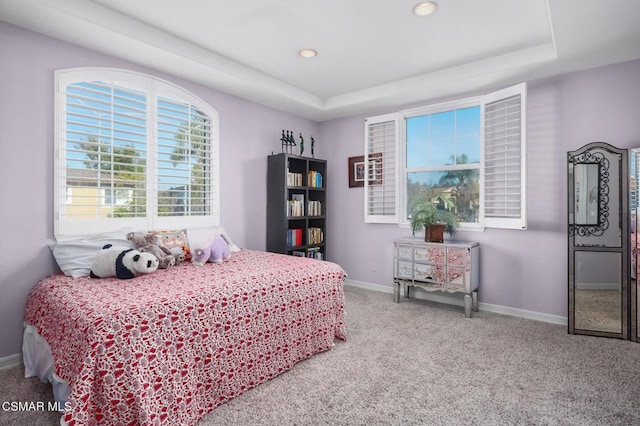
(38,362)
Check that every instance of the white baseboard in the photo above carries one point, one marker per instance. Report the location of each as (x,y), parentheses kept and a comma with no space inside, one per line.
(10,361)
(458,300)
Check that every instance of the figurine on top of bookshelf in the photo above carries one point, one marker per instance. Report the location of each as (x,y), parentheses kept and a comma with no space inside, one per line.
(292,141)
(313,142)
(301,145)
(288,142)
(283,141)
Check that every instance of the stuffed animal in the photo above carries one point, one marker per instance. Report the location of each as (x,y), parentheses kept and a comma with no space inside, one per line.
(148,243)
(214,252)
(124,263)
(176,241)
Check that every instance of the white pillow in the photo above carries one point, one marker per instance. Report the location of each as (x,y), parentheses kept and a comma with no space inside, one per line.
(198,237)
(75,254)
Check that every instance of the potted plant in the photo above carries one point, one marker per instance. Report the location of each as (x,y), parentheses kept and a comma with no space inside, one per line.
(435,220)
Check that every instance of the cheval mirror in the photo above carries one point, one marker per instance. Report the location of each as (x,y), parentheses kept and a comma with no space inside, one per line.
(599,242)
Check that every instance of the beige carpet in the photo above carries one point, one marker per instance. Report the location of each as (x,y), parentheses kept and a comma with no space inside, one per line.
(421,363)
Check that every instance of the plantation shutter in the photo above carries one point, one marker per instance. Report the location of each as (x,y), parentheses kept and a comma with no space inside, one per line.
(132,151)
(104,146)
(381,166)
(185,168)
(504,158)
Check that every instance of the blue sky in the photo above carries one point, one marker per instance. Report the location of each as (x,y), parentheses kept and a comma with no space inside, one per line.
(432,140)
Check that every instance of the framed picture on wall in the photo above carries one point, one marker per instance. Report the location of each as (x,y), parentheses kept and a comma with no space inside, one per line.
(357,170)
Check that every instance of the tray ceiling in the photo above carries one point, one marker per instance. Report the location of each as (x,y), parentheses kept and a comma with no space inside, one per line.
(371,55)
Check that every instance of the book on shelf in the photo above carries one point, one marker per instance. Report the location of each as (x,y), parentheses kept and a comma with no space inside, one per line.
(315,235)
(299,253)
(295,206)
(314,253)
(294,179)
(294,237)
(314,179)
(314,208)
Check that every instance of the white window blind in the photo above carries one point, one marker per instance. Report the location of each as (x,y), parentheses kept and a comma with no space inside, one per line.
(135,151)
(381,164)
(504,158)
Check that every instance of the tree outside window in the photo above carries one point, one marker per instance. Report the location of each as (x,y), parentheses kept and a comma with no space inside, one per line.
(443,162)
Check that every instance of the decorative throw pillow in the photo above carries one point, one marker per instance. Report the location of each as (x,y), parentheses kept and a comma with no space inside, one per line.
(176,241)
(74,255)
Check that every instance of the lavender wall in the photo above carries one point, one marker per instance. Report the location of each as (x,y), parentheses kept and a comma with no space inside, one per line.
(249,132)
(518,269)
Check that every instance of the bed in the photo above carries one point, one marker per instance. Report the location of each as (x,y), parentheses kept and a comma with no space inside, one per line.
(169,347)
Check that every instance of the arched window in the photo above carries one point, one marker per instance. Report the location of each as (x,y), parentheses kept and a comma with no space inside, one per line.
(132,150)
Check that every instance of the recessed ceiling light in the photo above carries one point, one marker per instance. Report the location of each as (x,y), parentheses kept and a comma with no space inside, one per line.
(425,8)
(307,53)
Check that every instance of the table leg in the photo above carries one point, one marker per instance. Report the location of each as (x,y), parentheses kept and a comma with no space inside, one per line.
(474,300)
(467,305)
(396,292)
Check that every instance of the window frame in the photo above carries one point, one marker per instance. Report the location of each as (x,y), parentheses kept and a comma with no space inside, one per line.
(520,222)
(404,170)
(153,88)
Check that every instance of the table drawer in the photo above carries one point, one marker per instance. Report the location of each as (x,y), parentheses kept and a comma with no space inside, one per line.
(405,269)
(430,254)
(405,252)
(458,257)
(424,272)
(458,277)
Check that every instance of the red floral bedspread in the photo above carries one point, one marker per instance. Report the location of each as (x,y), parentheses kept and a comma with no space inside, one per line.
(168,347)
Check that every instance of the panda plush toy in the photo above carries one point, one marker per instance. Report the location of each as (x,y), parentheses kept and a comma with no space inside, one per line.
(123,263)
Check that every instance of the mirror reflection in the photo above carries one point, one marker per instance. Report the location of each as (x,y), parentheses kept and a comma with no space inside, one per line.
(598,291)
(586,195)
(605,209)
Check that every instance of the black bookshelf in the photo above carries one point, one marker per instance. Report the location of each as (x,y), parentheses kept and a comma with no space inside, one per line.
(292,182)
